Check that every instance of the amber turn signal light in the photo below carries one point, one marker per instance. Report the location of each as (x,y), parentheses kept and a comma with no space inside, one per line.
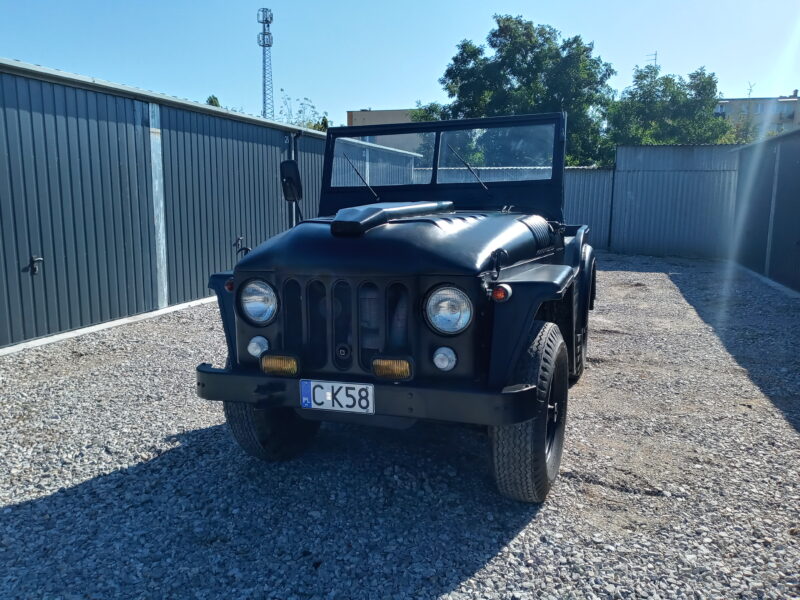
(279,365)
(501,292)
(391,368)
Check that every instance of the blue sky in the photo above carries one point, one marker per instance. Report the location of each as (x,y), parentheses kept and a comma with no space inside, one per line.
(351,55)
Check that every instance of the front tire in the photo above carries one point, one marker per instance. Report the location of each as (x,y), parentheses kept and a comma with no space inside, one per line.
(526,456)
(271,434)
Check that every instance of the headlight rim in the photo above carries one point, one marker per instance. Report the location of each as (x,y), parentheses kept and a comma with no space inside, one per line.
(433,327)
(240,303)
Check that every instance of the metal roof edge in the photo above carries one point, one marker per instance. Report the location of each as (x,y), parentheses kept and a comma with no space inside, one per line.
(379,147)
(382,109)
(18,67)
(768,140)
(677,145)
(588,168)
(757,99)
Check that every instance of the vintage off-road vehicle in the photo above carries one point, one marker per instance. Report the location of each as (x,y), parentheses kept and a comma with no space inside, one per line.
(439,281)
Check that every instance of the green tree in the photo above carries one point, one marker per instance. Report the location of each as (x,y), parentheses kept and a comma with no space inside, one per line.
(530,68)
(741,130)
(304,114)
(212,100)
(667,109)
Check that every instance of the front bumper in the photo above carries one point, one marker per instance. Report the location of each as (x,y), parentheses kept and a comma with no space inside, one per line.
(512,405)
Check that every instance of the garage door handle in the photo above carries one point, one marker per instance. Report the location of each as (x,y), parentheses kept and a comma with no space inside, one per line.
(34,264)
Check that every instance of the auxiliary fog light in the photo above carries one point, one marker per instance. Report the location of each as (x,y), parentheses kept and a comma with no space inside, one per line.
(444,358)
(257,346)
(285,366)
(391,368)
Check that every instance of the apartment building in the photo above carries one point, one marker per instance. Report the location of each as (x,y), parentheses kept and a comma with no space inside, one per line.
(768,115)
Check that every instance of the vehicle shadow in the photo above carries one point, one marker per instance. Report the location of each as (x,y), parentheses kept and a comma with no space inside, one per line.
(367,513)
(758,325)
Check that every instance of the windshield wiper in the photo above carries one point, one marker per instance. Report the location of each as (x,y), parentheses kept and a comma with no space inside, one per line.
(469,168)
(360,176)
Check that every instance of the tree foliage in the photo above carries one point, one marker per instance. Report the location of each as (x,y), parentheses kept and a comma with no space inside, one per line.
(742,130)
(302,114)
(667,109)
(212,100)
(530,68)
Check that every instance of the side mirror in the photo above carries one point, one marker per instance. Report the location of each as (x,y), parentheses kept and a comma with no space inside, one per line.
(290,180)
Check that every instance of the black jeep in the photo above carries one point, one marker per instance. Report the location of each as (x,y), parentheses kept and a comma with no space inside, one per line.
(438,281)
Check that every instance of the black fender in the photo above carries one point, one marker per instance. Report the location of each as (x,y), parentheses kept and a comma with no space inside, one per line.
(576,238)
(586,285)
(225,301)
(513,319)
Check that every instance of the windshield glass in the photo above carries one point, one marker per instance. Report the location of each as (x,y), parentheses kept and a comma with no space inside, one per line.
(399,159)
(516,153)
(508,153)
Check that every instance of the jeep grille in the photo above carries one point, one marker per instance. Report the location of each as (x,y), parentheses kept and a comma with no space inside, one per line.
(345,324)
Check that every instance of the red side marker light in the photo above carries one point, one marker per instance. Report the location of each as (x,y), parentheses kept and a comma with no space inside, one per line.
(229,284)
(501,292)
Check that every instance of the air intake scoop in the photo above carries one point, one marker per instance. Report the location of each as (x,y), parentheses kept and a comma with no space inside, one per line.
(357,220)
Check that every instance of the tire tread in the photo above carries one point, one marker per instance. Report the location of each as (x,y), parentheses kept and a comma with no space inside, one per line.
(269,434)
(519,468)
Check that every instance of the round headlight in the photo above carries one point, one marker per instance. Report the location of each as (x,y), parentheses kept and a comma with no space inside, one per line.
(448,310)
(259,302)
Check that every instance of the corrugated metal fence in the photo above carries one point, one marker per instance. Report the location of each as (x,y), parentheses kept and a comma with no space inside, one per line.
(115,201)
(132,198)
(76,208)
(677,200)
(587,200)
(766,235)
(220,182)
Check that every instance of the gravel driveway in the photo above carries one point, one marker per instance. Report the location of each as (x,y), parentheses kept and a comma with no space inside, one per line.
(680,476)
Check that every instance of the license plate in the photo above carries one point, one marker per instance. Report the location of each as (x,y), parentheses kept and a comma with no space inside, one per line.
(336,395)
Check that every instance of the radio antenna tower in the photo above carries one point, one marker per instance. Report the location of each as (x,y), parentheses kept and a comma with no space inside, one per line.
(265,41)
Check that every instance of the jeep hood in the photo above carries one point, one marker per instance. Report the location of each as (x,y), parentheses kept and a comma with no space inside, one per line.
(438,243)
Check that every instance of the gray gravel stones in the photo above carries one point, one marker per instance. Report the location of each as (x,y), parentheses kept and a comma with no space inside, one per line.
(680,477)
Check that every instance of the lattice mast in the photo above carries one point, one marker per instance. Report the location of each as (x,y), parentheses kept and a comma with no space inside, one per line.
(265,41)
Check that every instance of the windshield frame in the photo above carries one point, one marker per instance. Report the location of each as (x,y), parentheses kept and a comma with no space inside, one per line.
(519,193)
